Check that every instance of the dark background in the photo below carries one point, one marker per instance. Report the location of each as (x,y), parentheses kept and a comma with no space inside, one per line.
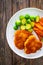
(7,9)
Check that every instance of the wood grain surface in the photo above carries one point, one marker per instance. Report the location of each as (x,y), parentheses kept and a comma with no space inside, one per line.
(7,9)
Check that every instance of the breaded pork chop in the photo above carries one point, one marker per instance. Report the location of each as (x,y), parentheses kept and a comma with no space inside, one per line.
(32,44)
(20,38)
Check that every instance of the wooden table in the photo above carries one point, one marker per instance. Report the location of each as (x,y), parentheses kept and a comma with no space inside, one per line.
(7,9)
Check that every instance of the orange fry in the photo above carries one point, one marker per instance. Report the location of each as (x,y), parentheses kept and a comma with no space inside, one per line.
(39,37)
(38,31)
(39,26)
(41,19)
(41,23)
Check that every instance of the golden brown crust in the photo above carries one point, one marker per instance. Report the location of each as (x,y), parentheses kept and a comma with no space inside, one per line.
(25,40)
(20,38)
(32,44)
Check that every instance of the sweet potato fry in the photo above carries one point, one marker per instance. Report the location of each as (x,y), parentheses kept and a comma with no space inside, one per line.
(40,37)
(38,31)
(41,19)
(39,28)
(38,25)
(41,23)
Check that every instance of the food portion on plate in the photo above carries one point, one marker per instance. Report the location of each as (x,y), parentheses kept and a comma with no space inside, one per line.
(31,45)
(24,39)
(38,28)
(25,22)
(20,38)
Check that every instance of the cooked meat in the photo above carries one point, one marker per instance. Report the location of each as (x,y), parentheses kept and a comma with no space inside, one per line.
(32,44)
(20,38)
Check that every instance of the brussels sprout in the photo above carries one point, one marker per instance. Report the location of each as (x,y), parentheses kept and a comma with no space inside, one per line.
(18,23)
(32,24)
(15,27)
(28,21)
(30,30)
(32,18)
(37,18)
(22,27)
(23,21)
(21,17)
(27,16)
(28,26)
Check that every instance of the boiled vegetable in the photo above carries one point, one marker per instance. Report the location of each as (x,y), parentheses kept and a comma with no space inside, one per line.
(22,27)
(28,21)
(32,18)
(28,26)
(23,21)
(15,27)
(27,16)
(32,24)
(18,23)
(30,30)
(21,17)
(37,18)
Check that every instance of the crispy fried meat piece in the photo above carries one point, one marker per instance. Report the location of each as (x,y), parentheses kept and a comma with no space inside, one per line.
(32,44)
(20,38)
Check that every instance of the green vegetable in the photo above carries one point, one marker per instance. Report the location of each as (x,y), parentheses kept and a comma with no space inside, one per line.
(21,17)
(28,26)
(23,21)
(37,18)
(32,18)
(30,30)
(15,27)
(18,23)
(22,27)
(32,24)
(28,21)
(27,16)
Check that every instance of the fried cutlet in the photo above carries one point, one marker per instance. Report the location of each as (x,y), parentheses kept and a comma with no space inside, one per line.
(31,45)
(20,38)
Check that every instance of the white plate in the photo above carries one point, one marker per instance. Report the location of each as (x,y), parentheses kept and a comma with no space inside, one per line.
(10,32)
